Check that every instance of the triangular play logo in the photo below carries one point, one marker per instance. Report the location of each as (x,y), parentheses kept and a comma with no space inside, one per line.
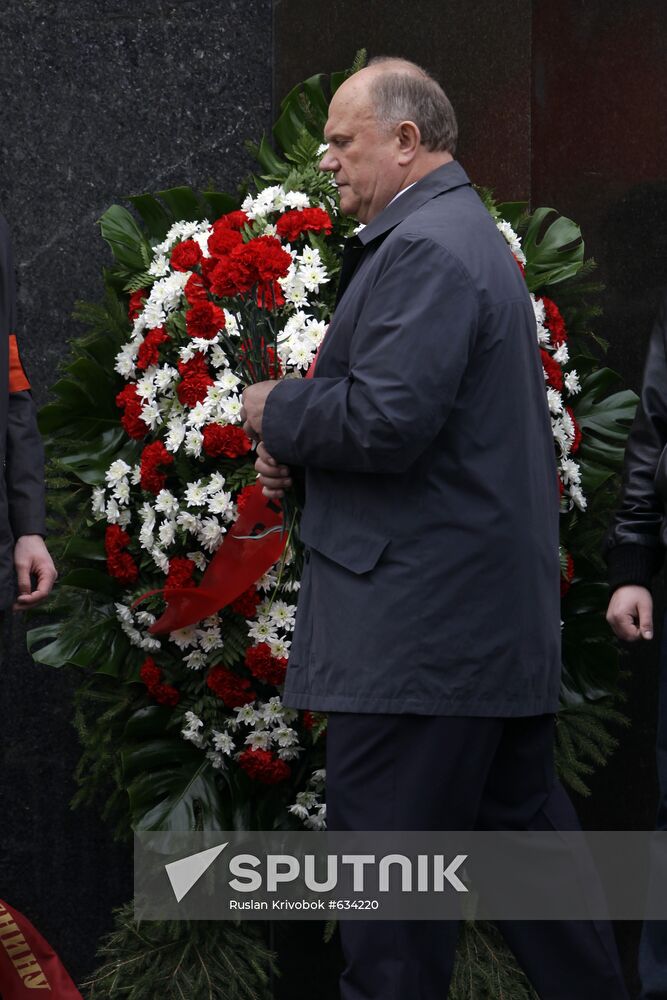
(184,873)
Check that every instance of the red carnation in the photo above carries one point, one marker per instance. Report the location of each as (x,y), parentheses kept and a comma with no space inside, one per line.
(577,431)
(151,675)
(223,240)
(555,322)
(262,765)
(567,577)
(552,370)
(204,320)
(185,255)
(242,498)
(264,666)
(292,224)
(195,289)
(152,457)
(246,603)
(229,687)
(120,564)
(195,380)
(136,303)
(232,220)
(180,573)
(149,351)
(233,442)
(308,720)
(129,401)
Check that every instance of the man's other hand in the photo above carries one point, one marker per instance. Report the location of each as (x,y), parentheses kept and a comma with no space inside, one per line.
(274,477)
(32,560)
(630,613)
(252,411)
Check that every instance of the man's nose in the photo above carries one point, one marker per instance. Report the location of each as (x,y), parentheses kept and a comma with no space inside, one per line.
(328,162)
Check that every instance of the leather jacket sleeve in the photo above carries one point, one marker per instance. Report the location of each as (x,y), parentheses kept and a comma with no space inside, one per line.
(635,543)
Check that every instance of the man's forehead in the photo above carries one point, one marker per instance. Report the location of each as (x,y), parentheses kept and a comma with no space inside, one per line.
(347,115)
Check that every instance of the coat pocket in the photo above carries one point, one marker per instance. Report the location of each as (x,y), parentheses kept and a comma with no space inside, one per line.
(353,547)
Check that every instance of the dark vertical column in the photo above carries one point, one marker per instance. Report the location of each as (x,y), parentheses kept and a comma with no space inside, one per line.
(479,52)
(99,101)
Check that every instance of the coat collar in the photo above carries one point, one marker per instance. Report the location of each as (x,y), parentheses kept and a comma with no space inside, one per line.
(449,175)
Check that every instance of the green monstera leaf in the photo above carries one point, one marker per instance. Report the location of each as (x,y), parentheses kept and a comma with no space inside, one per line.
(554,248)
(170,783)
(604,420)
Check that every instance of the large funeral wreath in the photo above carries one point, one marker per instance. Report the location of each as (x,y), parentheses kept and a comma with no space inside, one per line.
(151,473)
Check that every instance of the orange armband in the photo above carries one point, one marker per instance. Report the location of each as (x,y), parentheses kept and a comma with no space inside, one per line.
(18,380)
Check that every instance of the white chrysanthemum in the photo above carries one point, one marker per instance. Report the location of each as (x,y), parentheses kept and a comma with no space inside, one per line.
(160,558)
(117,471)
(123,613)
(215,483)
(263,631)
(259,738)
(296,199)
(159,266)
(246,714)
(150,414)
(121,492)
(186,637)
(202,240)
(570,472)
(188,522)
(217,357)
(572,383)
(232,326)
(166,503)
(282,614)
(280,648)
(200,414)
(300,356)
(98,502)
(310,257)
(198,558)
(231,409)
(577,497)
(193,442)
(312,277)
(318,821)
(196,494)
(192,730)
(211,533)
(210,639)
(223,742)
(221,503)
(125,361)
(562,355)
(555,401)
(165,378)
(295,294)
(285,736)
(175,434)
(561,436)
(196,660)
(229,382)
(512,239)
(167,533)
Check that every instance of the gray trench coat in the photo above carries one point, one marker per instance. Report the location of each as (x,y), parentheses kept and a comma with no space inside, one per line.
(431,584)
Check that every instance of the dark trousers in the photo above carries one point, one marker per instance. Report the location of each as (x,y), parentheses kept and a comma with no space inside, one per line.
(408,772)
(653,943)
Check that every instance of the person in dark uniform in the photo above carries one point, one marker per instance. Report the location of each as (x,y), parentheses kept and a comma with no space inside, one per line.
(27,573)
(428,622)
(635,552)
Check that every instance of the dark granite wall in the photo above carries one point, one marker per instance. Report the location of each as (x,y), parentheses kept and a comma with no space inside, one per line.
(97,101)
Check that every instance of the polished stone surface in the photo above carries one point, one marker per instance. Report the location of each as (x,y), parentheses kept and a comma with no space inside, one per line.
(480,52)
(99,101)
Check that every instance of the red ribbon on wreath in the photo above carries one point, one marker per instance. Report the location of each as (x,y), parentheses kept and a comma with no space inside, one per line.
(252,545)
(29,967)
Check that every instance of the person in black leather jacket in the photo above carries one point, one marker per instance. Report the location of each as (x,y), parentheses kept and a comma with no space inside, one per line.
(635,549)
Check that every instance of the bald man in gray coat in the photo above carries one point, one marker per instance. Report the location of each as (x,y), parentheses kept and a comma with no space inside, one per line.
(428,624)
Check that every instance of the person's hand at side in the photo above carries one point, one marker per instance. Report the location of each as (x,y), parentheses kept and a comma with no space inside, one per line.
(32,561)
(630,613)
(274,477)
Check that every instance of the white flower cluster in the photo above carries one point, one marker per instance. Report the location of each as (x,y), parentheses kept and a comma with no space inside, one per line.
(562,424)
(273,199)
(309,807)
(260,724)
(273,624)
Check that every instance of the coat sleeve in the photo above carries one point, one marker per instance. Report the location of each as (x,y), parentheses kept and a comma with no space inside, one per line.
(633,546)
(407,357)
(24,457)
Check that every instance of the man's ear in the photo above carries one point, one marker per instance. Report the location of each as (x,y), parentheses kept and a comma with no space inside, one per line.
(409,140)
